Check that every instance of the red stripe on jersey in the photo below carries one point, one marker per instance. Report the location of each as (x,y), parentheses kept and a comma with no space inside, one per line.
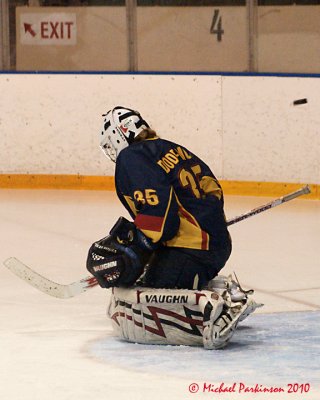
(149,222)
(204,243)
(187,216)
(204,235)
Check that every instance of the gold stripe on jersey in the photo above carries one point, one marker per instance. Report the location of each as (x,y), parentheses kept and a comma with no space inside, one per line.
(210,186)
(190,235)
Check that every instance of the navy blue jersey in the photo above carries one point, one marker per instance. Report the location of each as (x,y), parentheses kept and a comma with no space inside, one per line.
(172,195)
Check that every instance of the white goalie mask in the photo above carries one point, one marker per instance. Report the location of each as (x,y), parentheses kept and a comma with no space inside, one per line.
(120,126)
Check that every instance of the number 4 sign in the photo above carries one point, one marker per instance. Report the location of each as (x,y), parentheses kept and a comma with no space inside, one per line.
(216,25)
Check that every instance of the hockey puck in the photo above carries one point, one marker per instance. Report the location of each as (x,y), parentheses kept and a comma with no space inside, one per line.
(300,101)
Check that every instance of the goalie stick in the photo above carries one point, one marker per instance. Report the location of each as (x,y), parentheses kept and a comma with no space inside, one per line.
(73,289)
(47,286)
(274,203)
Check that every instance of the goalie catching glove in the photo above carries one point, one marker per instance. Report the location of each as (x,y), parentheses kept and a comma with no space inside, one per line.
(119,259)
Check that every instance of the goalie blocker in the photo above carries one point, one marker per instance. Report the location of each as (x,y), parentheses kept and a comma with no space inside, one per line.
(181,317)
(119,258)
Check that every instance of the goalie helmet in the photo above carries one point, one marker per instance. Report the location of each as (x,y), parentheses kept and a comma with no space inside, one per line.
(121,125)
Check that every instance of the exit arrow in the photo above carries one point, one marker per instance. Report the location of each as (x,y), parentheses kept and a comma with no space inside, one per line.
(28,28)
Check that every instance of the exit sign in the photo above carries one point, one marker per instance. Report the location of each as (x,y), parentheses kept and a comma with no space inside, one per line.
(48,29)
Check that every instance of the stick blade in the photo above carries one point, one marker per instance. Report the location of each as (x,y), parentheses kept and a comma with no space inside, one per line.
(46,285)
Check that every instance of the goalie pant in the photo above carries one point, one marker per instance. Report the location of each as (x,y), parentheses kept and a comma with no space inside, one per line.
(176,317)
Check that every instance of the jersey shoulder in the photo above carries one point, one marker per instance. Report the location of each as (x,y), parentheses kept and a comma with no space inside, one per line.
(145,151)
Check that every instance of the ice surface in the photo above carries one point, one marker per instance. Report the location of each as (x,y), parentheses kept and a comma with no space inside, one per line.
(279,348)
(53,349)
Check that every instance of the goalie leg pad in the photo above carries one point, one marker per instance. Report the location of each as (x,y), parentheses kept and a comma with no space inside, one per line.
(222,284)
(176,316)
(232,293)
(159,316)
(217,331)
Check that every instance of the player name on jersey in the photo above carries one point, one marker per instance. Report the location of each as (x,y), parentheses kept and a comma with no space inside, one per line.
(172,158)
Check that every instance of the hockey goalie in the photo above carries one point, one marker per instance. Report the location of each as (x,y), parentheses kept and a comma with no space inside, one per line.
(163,266)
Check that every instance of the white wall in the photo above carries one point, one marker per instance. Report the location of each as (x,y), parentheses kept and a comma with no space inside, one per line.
(266,137)
(245,128)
